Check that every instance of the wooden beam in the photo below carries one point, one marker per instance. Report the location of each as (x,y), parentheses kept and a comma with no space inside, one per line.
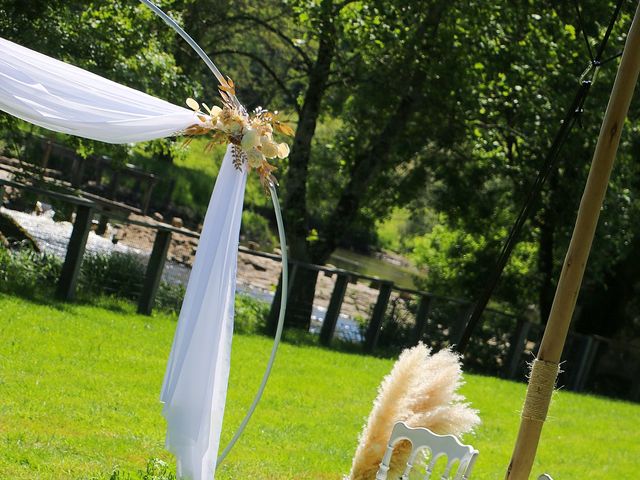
(154,272)
(68,280)
(539,391)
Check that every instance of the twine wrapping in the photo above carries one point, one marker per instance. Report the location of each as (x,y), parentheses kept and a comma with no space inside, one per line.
(541,384)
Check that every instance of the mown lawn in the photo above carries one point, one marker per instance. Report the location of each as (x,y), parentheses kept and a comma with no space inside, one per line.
(79,395)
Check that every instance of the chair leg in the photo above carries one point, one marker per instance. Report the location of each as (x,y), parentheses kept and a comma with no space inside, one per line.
(382,472)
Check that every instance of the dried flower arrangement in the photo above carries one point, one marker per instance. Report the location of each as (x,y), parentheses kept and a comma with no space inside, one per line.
(421,391)
(251,135)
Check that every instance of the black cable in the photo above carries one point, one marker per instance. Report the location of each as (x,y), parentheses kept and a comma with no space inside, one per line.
(612,57)
(581,27)
(571,117)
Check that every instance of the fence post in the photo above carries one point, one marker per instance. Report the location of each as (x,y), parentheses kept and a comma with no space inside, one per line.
(373,332)
(146,198)
(113,185)
(586,362)
(101,229)
(333,312)
(47,154)
(154,272)
(515,349)
(424,307)
(635,386)
(68,280)
(456,327)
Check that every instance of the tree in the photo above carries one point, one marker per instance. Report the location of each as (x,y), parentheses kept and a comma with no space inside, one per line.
(378,134)
(119,40)
(531,59)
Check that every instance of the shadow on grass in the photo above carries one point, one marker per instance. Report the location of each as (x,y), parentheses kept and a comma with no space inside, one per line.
(299,337)
(41,298)
(48,299)
(250,318)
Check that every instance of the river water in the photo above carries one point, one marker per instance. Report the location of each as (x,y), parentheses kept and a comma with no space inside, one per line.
(53,237)
(401,276)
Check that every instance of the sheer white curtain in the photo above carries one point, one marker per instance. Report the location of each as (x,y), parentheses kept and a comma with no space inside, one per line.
(195,385)
(67,99)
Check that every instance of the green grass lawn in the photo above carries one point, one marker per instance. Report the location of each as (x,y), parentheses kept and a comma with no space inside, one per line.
(79,390)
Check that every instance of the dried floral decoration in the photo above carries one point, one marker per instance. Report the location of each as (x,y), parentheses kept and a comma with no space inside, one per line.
(422,391)
(251,136)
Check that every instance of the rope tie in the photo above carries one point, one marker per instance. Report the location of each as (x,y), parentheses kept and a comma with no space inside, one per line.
(542,382)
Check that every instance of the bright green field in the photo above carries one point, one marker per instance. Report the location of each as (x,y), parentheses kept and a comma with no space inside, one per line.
(79,388)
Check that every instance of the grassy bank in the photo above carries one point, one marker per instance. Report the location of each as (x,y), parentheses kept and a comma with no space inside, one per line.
(79,396)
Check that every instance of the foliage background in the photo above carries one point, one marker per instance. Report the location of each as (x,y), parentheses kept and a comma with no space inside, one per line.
(420,127)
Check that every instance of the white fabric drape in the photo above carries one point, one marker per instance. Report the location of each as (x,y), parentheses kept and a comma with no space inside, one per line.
(195,385)
(68,99)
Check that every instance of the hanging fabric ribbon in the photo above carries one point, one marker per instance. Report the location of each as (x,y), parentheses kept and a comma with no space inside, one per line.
(67,99)
(195,384)
(64,98)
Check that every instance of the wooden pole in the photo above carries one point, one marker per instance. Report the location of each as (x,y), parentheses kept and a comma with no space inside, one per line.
(422,317)
(333,312)
(377,317)
(70,273)
(154,272)
(546,365)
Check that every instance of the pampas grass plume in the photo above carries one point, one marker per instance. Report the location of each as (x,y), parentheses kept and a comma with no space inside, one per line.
(421,391)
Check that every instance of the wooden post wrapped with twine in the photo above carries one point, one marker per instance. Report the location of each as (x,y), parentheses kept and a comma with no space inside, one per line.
(545,367)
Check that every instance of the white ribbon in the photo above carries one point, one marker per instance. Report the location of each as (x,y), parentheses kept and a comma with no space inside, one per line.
(195,384)
(68,99)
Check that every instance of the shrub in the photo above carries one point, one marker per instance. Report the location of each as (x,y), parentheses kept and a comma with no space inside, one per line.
(120,274)
(251,314)
(156,470)
(26,272)
(169,297)
(256,228)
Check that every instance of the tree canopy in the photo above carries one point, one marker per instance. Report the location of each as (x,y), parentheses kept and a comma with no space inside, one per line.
(443,108)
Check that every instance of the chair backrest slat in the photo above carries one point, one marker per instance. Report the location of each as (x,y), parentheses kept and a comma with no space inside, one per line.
(438,446)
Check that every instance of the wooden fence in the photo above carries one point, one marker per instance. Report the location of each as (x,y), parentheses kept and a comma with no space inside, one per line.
(502,347)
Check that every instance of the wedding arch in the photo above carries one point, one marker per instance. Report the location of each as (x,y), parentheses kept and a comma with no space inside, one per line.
(67,99)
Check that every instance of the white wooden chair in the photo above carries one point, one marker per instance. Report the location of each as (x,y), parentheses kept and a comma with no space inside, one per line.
(437,445)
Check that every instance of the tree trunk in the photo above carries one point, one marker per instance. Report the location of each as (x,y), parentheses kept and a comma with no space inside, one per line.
(299,307)
(365,167)
(545,265)
(368,164)
(300,302)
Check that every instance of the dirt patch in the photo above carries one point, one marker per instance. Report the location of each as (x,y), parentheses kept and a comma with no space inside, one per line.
(254,271)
